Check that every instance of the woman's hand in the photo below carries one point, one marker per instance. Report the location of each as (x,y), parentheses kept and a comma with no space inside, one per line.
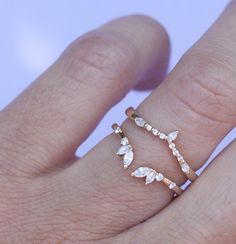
(49,196)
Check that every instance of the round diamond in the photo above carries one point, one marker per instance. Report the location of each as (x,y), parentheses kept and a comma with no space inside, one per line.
(172,185)
(176,153)
(185,168)
(180,159)
(141,172)
(148,127)
(154,131)
(117,130)
(172,146)
(162,136)
(159,177)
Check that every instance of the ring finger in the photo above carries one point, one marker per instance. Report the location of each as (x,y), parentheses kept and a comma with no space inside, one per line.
(198,99)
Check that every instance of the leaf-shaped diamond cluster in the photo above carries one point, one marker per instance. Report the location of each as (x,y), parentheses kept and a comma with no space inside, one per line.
(149,173)
(126,151)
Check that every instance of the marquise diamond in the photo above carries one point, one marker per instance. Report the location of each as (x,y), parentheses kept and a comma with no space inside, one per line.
(139,122)
(128,158)
(124,141)
(151,177)
(141,172)
(172,136)
(123,150)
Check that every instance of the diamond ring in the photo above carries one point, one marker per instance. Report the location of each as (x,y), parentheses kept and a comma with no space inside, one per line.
(125,149)
(169,138)
(151,175)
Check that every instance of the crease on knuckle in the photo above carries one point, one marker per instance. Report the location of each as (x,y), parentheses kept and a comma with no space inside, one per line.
(209,90)
(100,57)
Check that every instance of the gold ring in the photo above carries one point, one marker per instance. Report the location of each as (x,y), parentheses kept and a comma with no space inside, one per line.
(151,175)
(169,138)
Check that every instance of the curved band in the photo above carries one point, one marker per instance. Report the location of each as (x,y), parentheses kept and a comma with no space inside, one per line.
(150,174)
(169,138)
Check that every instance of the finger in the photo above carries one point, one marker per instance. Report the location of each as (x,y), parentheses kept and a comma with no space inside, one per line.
(51,118)
(209,213)
(198,99)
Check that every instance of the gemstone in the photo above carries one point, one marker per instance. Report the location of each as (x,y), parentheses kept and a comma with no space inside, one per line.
(154,131)
(128,158)
(139,121)
(124,141)
(185,168)
(148,127)
(172,185)
(162,136)
(172,145)
(123,150)
(151,177)
(172,136)
(176,153)
(141,172)
(181,159)
(159,177)
(117,130)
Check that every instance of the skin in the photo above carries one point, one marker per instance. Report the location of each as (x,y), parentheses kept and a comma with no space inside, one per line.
(49,196)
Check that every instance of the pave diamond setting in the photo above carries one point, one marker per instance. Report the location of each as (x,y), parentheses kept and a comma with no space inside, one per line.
(125,150)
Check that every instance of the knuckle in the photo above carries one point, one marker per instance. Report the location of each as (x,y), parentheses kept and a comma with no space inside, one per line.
(105,55)
(209,89)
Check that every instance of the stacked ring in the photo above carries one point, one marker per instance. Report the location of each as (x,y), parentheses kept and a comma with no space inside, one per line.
(151,175)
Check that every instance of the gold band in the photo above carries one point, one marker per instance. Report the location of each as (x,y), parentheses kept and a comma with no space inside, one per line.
(151,175)
(169,138)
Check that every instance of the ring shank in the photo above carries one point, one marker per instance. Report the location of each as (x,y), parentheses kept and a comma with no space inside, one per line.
(190,173)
